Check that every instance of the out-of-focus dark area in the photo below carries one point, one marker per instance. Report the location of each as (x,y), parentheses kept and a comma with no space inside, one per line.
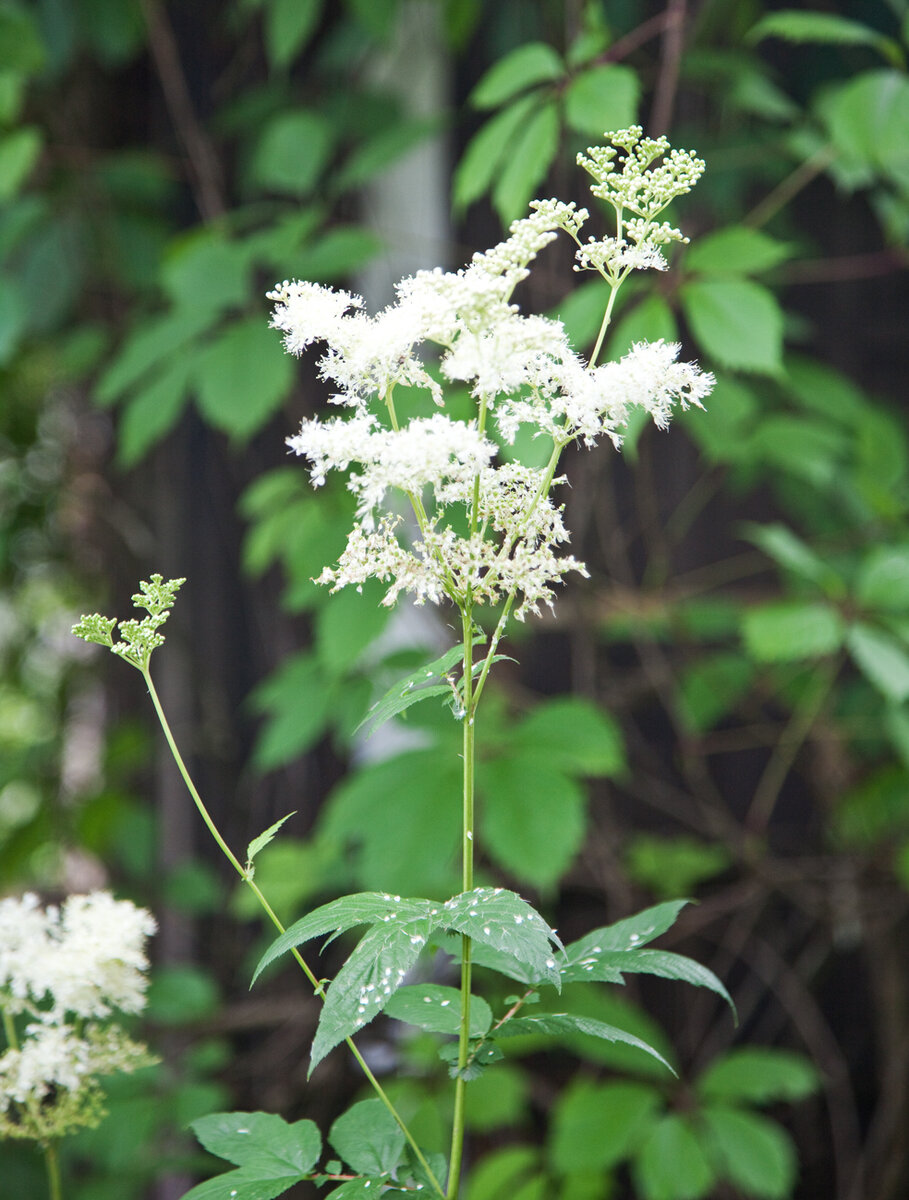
(735,672)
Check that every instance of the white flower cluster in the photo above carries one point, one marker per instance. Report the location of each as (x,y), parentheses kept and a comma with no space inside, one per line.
(487,530)
(66,969)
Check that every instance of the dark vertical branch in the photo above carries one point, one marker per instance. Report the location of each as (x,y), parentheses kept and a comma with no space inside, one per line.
(672,44)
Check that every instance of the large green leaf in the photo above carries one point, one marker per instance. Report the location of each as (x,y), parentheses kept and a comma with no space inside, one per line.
(261,1141)
(601,98)
(662,963)
(153,341)
(595,1126)
(527,65)
(346,624)
(436,1008)
(791,630)
(628,934)
(242,378)
(297,700)
(368,1138)
(153,410)
(565,1025)
(672,1164)
(364,908)
(759,1075)
(526,163)
(869,120)
(532,818)
(372,973)
(205,268)
(501,919)
(737,322)
(750,1151)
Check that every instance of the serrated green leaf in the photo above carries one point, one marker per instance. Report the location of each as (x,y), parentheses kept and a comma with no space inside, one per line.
(628,934)
(437,1009)
(364,908)
(662,963)
(412,689)
(789,631)
(828,28)
(501,919)
(736,250)
(527,163)
(242,1184)
(260,842)
(371,975)
(292,150)
(242,378)
(737,322)
(751,1152)
(523,67)
(532,819)
(486,956)
(260,1141)
(480,163)
(368,1138)
(565,1024)
(759,1075)
(595,1126)
(602,98)
(363,1188)
(288,26)
(881,659)
(672,1164)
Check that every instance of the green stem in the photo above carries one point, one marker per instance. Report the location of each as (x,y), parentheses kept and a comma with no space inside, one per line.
(52,1163)
(9,1030)
(278,924)
(467,833)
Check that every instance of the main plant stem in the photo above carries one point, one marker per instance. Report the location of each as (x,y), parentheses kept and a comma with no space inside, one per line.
(247,878)
(467,824)
(55,1188)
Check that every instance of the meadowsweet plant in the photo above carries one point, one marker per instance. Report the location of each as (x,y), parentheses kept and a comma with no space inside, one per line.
(64,973)
(447,512)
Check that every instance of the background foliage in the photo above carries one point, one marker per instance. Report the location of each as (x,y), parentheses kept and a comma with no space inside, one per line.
(721,712)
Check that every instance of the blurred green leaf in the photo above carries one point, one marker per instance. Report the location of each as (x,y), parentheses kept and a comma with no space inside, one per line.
(672,1163)
(19,152)
(601,99)
(881,659)
(830,28)
(297,699)
(524,67)
(883,578)
(289,24)
(710,688)
(575,736)
(753,1153)
(527,163)
(595,1126)
(788,631)
(869,121)
(21,47)
(481,162)
(736,250)
(152,411)
(738,323)
(242,378)
(674,866)
(180,995)
(758,1075)
(292,151)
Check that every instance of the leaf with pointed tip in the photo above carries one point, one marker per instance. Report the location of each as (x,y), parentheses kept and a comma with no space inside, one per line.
(628,934)
(357,1189)
(437,1009)
(261,1141)
(368,1138)
(565,1024)
(260,842)
(663,963)
(413,689)
(363,908)
(374,971)
(501,919)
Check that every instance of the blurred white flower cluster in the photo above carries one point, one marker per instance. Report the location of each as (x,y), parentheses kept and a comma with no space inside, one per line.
(64,971)
(487,529)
